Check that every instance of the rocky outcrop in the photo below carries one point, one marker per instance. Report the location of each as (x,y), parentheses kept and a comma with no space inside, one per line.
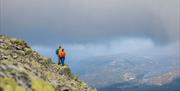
(22,69)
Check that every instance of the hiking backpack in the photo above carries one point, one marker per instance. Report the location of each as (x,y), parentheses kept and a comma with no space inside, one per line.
(57,51)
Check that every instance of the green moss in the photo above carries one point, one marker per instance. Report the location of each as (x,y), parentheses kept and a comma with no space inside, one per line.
(60,79)
(28,51)
(75,78)
(9,84)
(3,36)
(18,42)
(49,75)
(47,61)
(12,71)
(20,89)
(40,85)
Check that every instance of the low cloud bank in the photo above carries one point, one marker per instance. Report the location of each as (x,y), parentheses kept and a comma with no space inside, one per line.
(134,46)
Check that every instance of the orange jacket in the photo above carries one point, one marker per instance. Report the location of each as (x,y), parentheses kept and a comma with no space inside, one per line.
(62,54)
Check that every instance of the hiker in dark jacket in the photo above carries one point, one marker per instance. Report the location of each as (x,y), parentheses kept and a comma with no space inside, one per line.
(57,53)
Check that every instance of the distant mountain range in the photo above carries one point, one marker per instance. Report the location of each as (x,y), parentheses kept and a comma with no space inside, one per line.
(171,86)
(125,71)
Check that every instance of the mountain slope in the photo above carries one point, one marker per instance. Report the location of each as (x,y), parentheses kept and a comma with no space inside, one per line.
(22,69)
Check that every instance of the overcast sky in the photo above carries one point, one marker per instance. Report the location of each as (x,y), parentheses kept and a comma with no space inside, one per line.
(92,27)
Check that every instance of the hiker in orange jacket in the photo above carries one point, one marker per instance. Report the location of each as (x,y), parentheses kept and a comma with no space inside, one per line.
(62,55)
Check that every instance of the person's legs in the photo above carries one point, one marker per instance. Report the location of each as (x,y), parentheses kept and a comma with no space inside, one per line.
(59,60)
(62,60)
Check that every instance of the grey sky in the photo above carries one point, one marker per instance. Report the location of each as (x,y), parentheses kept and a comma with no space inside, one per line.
(67,21)
(91,23)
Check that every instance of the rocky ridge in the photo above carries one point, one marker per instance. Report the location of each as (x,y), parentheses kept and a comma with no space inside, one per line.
(22,69)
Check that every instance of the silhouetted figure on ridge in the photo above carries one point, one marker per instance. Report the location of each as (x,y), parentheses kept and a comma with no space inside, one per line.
(57,53)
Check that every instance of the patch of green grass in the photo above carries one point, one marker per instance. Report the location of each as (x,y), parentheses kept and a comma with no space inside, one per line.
(9,84)
(40,85)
